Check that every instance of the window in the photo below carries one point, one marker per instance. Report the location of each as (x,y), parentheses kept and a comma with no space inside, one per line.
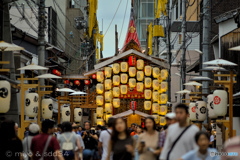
(143,33)
(147,10)
(176,10)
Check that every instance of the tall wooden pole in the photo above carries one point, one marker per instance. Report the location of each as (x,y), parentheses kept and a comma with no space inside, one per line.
(231,104)
(116,40)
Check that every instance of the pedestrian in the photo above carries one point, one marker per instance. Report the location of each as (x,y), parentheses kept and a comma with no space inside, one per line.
(136,137)
(78,152)
(104,139)
(10,145)
(148,141)
(26,133)
(203,152)
(16,128)
(68,142)
(80,130)
(212,139)
(133,129)
(122,145)
(232,147)
(180,136)
(44,145)
(27,141)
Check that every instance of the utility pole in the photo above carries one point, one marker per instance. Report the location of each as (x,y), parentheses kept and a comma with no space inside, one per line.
(183,56)
(156,41)
(116,41)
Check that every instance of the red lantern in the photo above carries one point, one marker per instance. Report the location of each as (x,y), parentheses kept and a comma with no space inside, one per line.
(87,82)
(94,76)
(55,71)
(132,61)
(58,73)
(66,82)
(77,82)
(133,105)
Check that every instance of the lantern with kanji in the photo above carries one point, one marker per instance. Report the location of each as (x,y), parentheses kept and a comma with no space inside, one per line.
(148,82)
(123,89)
(192,111)
(108,108)
(31,104)
(116,103)
(140,64)
(156,72)
(99,100)
(147,105)
(164,74)
(94,76)
(164,98)
(133,105)
(148,94)
(5,96)
(87,82)
(132,82)
(66,81)
(163,121)
(155,85)
(100,76)
(163,110)
(140,75)
(155,108)
(201,110)
(116,68)
(47,108)
(148,70)
(132,71)
(132,60)
(116,80)
(124,66)
(220,101)
(66,114)
(99,88)
(210,107)
(77,82)
(78,114)
(140,87)
(155,96)
(99,112)
(108,84)
(124,78)
(164,87)
(116,92)
(108,72)
(108,96)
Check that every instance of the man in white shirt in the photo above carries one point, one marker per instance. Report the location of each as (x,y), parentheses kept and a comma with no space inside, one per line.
(185,142)
(104,139)
(74,130)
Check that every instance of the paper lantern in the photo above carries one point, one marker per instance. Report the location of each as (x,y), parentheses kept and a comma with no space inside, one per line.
(100,77)
(116,68)
(99,112)
(124,66)
(132,82)
(123,89)
(47,108)
(133,105)
(201,110)
(155,96)
(55,71)
(220,101)
(162,121)
(148,70)
(192,111)
(99,100)
(116,80)
(164,74)
(107,117)
(147,105)
(66,114)
(108,96)
(164,98)
(116,103)
(87,82)
(164,87)
(66,82)
(108,72)
(163,110)
(155,108)
(148,94)
(31,104)
(124,78)
(5,96)
(140,75)
(132,71)
(148,82)
(77,82)
(156,72)
(132,60)
(108,84)
(99,88)
(140,87)
(100,122)
(94,76)
(155,116)
(210,107)
(108,108)
(78,114)
(116,92)
(155,85)
(140,64)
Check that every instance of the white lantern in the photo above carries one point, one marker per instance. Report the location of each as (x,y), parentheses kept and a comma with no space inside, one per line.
(132,71)
(201,110)
(31,104)
(99,88)
(124,66)
(116,68)
(116,80)
(210,107)
(108,72)
(116,92)
(108,84)
(220,101)
(192,111)
(66,114)
(132,82)
(78,114)
(116,102)
(5,96)
(99,111)
(47,108)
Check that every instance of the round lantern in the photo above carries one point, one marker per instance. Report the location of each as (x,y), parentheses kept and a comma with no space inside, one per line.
(31,104)
(133,105)
(132,60)
(100,77)
(99,88)
(164,98)
(59,73)
(116,103)
(94,76)
(55,71)
(108,108)
(99,100)
(5,96)
(148,82)
(100,122)
(140,75)
(140,87)
(201,110)
(124,78)
(99,111)
(156,72)
(164,87)
(164,74)
(155,116)
(220,101)
(163,110)
(155,85)
(155,97)
(78,114)
(108,72)
(147,105)
(47,108)
(77,82)
(87,82)
(148,94)
(140,64)
(108,84)
(66,82)
(108,96)
(155,108)
(148,70)
(210,107)
(116,80)
(192,111)
(107,117)
(132,82)
(132,71)
(124,66)
(123,89)
(116,92)
(162,121)
(66,114)
(116,68)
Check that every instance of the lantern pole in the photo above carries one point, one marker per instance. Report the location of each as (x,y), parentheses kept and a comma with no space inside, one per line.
(231,104)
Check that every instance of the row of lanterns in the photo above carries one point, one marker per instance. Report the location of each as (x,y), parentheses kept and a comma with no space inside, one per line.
(77,82)
(56,72)
(66,114)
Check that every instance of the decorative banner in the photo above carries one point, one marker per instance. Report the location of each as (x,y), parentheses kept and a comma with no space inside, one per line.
(132,82)
(210,107)
(155,85)
(116,68)
(140,75)
(116,103)
(5,96)
(156,72)
(155,96)
(100,77)
(164,87)
(99,88)
(147,105)
(158,31)
(148,70)
(78,114)
(148,94)
(164,74)
(99,100)
(163,110)
(108,96)
(116,92)
(47,108)
(66,114)
(108,84)
(124,66)
(116,80)
(192,111)
(148,82)
(220,101)
(155,108)
(99,111)
(124,78)
(132,71)
(140,64)
(150,35)
(31,104)
(124,89)
(140,87)
(201,111)
(108,108)
(108,72)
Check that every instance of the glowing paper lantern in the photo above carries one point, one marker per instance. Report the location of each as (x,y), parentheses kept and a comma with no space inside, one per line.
(116,103)
(132,71)
(124,66)
(164,87)
(148,70)
(148,94)
(155,108)
(116,80)
(100,77)
(210,107)
(66,114)
(99,100)
(132,82)
(140,87)
(163,110)
(31,104)
(124,78)
(192,111)
(5,96)
(108,84)
(132,60)
(148,82)
(99,88)
(201,110)
(107,117)
(116,68)
(108,107)
(140,64)
(100,122)
(147,105)
(164,98)
(108,72)
(123,89)
(155,116)
(77,82)
(87,82)
(220,101)
(78,114)
(94,76)
(66,82)
(99,111)
(155,96)
(116,92)
(163,121)
(108,96)
(155,84)
(156,72)
(47,108)
(140,75)
(164,74)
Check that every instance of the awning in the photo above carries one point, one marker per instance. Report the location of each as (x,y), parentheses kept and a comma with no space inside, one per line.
(129,112)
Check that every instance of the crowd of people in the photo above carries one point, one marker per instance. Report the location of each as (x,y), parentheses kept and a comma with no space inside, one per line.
(69,141)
